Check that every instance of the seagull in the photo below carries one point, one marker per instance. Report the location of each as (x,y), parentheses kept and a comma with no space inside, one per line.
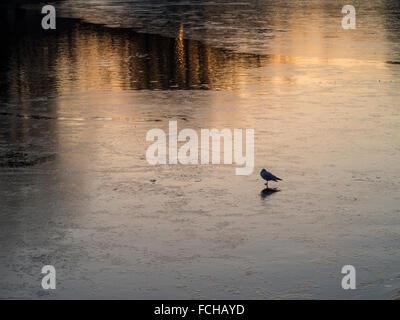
(268,176)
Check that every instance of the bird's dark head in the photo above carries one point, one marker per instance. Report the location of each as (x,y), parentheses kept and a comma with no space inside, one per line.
(262,171)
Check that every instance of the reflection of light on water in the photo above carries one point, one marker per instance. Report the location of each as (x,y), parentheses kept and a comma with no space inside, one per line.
(92,59)
(87,58)
(180,36)
(315,30)
(92,62)
(180,56)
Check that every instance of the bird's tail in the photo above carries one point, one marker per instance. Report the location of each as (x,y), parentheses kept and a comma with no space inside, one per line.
(278,178)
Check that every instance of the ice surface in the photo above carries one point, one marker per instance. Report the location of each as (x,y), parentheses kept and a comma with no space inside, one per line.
(77,192)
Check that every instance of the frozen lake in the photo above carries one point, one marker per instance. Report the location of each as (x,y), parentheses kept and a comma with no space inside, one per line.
(77,192)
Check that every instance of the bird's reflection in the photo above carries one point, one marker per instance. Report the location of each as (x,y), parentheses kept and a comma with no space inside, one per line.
(267,192)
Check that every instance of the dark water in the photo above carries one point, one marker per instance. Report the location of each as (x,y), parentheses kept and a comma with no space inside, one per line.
(76,191)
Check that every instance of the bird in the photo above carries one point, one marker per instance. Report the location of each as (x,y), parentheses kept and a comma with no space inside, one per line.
(268,176)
